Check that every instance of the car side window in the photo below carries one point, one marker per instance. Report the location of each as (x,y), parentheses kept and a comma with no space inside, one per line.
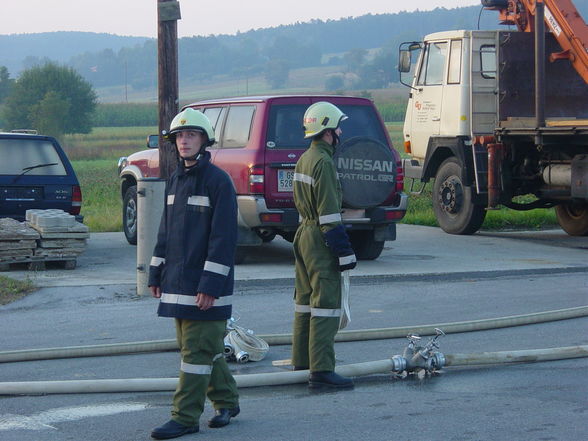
(216,115)
(237,126)
(212,113)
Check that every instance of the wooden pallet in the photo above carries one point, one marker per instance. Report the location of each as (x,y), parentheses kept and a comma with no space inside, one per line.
(37,263)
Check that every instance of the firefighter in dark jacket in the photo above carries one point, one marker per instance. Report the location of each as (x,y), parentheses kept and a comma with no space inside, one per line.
(191,272)
(321,248)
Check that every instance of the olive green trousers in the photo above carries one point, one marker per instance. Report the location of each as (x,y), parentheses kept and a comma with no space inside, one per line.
(318,301)
(204,371)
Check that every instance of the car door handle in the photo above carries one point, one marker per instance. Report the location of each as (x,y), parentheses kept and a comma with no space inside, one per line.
(436,119)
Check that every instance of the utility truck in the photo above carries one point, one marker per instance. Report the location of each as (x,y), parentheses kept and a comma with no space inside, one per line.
(501,117)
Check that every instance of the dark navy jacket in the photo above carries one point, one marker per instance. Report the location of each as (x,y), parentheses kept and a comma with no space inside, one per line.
(196,243)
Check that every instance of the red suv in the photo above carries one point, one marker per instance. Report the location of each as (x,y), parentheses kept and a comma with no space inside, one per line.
(259,140)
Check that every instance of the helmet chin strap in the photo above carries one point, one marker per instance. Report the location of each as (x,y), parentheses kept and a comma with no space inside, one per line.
(195,157)
(335,137)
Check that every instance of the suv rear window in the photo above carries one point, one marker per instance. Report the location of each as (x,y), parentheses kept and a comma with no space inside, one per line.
(17,155)
(285,129)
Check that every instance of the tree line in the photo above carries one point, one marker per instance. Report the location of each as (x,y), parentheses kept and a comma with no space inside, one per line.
(274,51)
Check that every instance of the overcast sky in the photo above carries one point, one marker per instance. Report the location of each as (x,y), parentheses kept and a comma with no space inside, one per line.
(138,17)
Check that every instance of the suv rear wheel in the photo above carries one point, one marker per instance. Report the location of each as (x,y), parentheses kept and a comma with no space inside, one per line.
(129,215)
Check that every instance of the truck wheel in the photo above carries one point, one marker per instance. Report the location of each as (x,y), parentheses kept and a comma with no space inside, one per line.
(452,201)
(573,218)
(364,245)
(129,215)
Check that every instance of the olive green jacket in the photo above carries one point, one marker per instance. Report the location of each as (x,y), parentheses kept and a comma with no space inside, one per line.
(317,191)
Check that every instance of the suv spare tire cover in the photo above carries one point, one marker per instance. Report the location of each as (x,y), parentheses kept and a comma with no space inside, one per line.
(366,170)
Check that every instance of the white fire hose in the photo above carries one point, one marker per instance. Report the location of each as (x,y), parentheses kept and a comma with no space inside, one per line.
(345,312)
(242,345)
(281,378)
(284,339)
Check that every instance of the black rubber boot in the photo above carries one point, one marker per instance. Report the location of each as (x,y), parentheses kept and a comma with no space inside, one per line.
(329,379)
(172,429)
(223,417)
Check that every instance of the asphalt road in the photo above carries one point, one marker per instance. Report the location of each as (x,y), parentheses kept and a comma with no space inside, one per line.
(424,277)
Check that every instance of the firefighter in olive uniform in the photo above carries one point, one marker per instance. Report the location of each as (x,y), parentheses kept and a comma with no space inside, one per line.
(191,272)
(321,248)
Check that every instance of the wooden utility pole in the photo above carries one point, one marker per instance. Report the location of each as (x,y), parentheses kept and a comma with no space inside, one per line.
(168,14)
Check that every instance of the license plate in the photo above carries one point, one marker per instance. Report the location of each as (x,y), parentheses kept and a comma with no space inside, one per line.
(20,194)
(285,178)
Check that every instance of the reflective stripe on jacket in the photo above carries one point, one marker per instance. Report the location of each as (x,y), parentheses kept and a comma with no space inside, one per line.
(196,243)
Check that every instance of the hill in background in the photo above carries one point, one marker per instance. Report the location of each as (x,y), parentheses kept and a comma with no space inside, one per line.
(17,51)
(350,53)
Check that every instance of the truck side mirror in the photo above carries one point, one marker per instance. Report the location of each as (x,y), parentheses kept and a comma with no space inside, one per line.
(404,61)
(405,58)
(153,141)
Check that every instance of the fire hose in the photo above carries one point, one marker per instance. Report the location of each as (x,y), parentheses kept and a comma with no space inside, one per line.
(282,378)
(417,359)
(242,345)
(283,339)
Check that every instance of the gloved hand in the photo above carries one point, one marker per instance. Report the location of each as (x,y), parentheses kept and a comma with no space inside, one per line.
(338,241)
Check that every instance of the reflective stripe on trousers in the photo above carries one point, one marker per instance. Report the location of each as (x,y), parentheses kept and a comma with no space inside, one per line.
(203,371)
(317,312)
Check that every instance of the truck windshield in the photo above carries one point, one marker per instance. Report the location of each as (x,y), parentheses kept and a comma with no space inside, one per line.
(285,129)
(19,154)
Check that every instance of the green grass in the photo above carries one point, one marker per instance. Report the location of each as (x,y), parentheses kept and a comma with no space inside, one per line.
(420,212)
(106,142)
(395,132)
(11,289)
(101,204)
(94,158)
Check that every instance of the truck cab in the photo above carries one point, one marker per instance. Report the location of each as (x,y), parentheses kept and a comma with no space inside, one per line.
(449,98)
(470,125)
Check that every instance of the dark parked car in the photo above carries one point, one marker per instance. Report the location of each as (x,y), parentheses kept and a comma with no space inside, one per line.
(35,173)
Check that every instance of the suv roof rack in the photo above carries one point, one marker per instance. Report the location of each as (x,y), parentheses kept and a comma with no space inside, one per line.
(26,131)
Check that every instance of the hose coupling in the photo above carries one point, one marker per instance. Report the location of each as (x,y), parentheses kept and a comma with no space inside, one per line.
(417,358)
(242,357)
(229,350)
(398,363)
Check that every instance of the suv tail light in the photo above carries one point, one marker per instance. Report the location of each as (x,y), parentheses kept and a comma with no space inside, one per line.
(76,200)
(394,215)
(256,179)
